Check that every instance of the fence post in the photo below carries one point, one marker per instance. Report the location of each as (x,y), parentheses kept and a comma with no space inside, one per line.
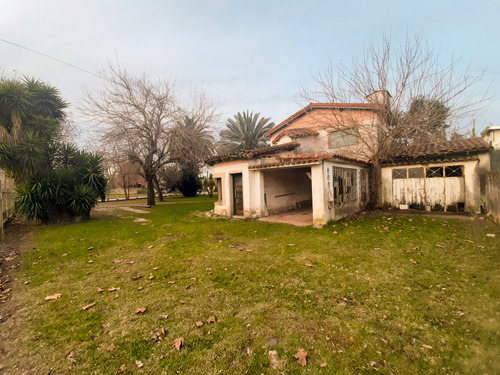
(1,214)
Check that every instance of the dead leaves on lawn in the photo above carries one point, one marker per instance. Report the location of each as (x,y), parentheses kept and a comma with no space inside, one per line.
(86,307)
(140,310)
(301,357)
(53,297)
(178,343)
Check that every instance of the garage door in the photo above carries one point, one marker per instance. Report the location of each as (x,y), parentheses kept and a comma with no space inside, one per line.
(441,188)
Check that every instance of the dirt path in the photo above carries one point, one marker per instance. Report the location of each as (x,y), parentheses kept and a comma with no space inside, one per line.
(16,237)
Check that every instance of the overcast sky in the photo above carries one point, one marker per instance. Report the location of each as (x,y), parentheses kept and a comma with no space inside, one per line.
(245,54)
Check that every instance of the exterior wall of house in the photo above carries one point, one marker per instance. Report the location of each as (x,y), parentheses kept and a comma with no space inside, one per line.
(431,193)
(253,188)
(326,121)
(345,189)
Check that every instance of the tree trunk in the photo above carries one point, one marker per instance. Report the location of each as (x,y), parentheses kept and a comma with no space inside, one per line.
(151,190)
(375,182)
(158,188)
(127,195)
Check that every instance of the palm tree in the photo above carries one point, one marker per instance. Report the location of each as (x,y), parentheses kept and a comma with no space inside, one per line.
(244,132)
(190,143)
(24,104)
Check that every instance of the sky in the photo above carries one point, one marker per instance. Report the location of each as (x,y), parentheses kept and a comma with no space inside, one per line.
(246,55)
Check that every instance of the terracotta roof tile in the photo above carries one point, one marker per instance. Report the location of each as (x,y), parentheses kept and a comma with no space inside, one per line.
(440,148)
(313,106)
(458,146)
(250,154)
(295,133)
(298,159)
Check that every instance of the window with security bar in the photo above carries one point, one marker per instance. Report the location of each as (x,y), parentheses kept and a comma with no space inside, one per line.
(432,172)
(399,173)
(416,172)
(454,171)
(345,185)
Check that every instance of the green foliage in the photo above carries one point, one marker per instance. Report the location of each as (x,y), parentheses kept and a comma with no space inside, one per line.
(189,185)
(244,132)
(54,180)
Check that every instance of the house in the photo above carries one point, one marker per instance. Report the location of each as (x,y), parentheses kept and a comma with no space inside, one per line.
(492,135)
(320,159)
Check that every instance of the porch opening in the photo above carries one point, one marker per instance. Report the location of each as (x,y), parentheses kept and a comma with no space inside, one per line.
(288,189)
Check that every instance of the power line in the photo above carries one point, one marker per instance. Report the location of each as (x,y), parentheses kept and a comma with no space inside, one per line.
(53,58)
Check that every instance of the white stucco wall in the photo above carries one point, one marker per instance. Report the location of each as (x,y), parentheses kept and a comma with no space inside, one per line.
(471,175)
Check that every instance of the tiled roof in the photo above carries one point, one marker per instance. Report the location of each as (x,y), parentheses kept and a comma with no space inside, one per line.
(313,106)
(463,146)
(299,159)
(250,154)
(295,133)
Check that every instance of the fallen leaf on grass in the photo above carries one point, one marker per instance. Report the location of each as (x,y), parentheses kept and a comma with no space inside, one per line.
(140,288)
(323,365)
(90,261)
(86,307)
(139,363)
(112,289)
(123,368)
(156,268)
(100,290)
(291,245)
(440,246)
(211,319)
(151,277)
(426,346)
(131,262)
(178,343)
(199,324)
(53,297)
(301,357)
(150,246)
(90,248)
(116,261)
(490,235)
(140,310)
(309,265)
(171,282)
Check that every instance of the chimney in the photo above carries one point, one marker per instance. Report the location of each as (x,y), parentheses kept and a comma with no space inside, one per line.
(379,97)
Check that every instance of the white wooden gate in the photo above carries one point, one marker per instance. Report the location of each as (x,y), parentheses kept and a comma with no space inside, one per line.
(438,188)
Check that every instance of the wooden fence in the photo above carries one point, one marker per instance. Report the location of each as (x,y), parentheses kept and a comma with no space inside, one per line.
(493,194)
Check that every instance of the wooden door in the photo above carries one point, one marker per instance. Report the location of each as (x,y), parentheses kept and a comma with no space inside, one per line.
(238,194)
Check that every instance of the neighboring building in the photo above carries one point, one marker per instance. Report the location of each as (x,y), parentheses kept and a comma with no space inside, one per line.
(317,160)
(492,135)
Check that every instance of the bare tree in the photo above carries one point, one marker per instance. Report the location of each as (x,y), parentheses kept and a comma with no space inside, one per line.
(413,75)
(136,113)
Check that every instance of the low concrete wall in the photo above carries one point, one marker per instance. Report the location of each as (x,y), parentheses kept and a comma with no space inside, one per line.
(492,196)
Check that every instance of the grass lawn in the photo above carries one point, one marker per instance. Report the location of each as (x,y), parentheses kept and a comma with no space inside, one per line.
(390,294)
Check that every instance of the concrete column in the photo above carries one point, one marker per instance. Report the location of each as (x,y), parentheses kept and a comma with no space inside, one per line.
(319,200)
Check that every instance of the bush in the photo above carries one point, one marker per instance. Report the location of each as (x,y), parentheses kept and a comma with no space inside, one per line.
(189,185)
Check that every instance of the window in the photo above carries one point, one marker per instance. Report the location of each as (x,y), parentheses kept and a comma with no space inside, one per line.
(432,172)
(416,172)
(342,138)
(344,185)
(399,173)
(218,183)
(454,171)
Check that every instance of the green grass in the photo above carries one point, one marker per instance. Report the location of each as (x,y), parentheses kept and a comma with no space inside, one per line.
(398,294)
